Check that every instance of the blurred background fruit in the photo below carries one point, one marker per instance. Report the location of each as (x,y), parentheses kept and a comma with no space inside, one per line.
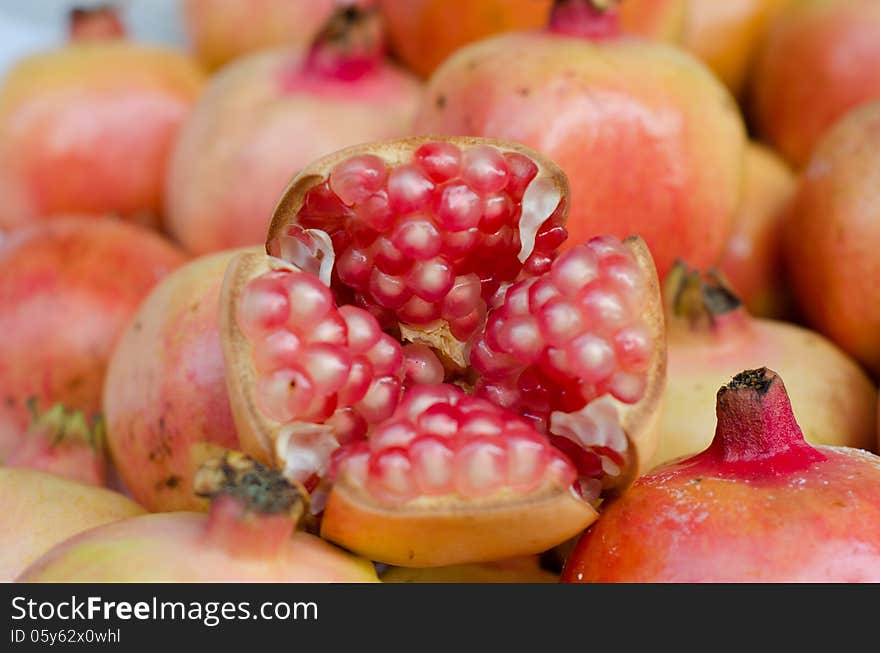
(267,115)
(832,236)
(711,337)
(74,283)
(165,397)
(40,510)
(752,259)
(67,137)
(223,30)
(651,142)
(820,60)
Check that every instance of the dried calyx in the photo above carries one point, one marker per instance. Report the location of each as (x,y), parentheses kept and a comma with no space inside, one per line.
(350,45)
(95,23)
(590,19)
(701,300)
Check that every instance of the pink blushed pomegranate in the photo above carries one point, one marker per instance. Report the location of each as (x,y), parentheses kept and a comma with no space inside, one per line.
(88,128)
(165,397)
(63,442)
(40,510)
(710,335)
(373,355)
(651,142)
(69,288)
(759,505)
(264,118)
(248,536)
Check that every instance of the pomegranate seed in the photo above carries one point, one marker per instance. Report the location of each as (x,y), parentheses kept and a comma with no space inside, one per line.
(441,161)
(421,366)
(485,169)
(431,280)
(390,477)
(355,179)
(458,208)
(432,462)
(361,328)
(264,306)
(327,365)
(385,356)
(522,171)
(381,398)
(276,351)
(388,291)
(417,238)
(480,468)
(311,301)
(497,213)
(360,375)
(409,190)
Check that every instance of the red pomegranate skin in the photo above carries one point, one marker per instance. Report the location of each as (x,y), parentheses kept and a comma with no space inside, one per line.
(651,142)
(165,398)
(87,129)
(68,288)
(759,505)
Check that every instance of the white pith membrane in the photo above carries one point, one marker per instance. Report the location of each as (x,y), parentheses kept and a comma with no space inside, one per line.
(303,447)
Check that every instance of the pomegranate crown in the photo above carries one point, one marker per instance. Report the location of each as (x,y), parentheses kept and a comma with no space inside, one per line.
(258,488)
(700,298)
(95,22)
(349,45)
(591,19)
(65,425)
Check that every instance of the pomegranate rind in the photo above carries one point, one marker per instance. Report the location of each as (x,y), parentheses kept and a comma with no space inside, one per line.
(397,152)
(257,433)
(440,531)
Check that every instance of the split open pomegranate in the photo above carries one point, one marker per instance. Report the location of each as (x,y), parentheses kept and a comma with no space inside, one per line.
(416,354)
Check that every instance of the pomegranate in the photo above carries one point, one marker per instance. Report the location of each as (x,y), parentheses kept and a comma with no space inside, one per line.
(66,139)
(752,260)
(651,142)
(165,395)
(710,336)
(267,116)
(425,32)
(517,570)
(819,61)
(759,505)
(68,288)
(832,236)
(223,30)
(98,22)
(62,442)
(248,536)
(727,35)
(40,510)
(534,381)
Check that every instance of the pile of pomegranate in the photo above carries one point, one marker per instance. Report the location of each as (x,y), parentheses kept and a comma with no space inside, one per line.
(389,291)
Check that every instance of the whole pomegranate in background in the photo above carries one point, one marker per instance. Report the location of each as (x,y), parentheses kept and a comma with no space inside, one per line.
(87,129)
(752,260)
(248,536)
(267,116)
(727,35)
(710,336)
(165,398)
(832,236)
(68,288)
(222,30)
(759,505)
(819,61)
(425,32)
(39,510)
(460,392)
(651,142)
(62,442)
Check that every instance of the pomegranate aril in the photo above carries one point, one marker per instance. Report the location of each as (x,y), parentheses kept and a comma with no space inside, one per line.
(632,346)
(362,329)
(440,161)
(282,395)
(385,356)
(388,258)
(627,387)
(480,468)
(388,291)
(497,212)
(458,207)
(457,244)
(264,306)
(592,357)
(521,336)
(409,189)
(347,426)
(541,292)
(390,477)
(603,307)
(420,399)
(432,463)
(417,238)
(480,423)
(421,366)
(463,297)
(574,269)
(431,280)
(522,171)
(526,460)
(418,311)
(393,434)
(441,420)
(559,321)
(360,375)
(356,178)
(354,266)
(330,330)
(376,211)
(327,366)
(485,169)
(276,351)
(311,301)
(380,400)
